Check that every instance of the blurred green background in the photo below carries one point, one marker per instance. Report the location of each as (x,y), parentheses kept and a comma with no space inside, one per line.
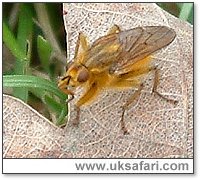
(183,11)
(34,53)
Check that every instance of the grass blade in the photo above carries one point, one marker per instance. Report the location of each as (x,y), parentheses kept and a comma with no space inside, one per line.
(12,44)
(185,11)
(32,82)
(24,35)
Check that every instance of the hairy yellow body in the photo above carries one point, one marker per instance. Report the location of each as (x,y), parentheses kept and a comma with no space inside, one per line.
(116,61)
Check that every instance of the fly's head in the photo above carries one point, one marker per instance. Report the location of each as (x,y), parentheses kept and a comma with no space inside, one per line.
(76,74)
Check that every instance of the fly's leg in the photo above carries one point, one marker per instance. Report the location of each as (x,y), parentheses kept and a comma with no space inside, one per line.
(125,81)
(90,93)
(114,29)
(67,91)
(81,44)
(130,79)
(144,70)
(122,82)
(125,107)
(76,120)
(155,85)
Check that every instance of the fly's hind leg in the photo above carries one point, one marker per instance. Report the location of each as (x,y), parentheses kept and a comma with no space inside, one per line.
(143,70)
(155,85)
(130,83)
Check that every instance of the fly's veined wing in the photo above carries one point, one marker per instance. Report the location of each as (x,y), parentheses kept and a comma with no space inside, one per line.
(140,42)
(103,52)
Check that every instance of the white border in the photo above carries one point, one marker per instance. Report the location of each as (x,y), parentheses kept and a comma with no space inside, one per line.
(122,166)
(62,164)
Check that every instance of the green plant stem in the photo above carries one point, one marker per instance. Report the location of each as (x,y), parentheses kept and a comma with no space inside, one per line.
(49,34)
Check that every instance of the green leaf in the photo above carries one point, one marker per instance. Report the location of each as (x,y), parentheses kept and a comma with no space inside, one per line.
(62,118)
(185,11)
(24,38)
(12,44)
(190,18)
(42,88)
(179,5)
(33,82)
(60,109)
(52,104)
(44,51)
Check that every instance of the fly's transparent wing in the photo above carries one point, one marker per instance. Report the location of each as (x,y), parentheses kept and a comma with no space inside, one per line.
(139,43)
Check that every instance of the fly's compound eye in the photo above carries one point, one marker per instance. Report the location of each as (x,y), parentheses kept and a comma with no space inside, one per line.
(83,76)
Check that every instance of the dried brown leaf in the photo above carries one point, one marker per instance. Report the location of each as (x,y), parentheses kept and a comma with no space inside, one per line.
(157,128)
(28,134)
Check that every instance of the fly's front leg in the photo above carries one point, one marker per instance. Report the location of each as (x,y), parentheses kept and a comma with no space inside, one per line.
(81,44)
(67,91)
(90,93)
(76,120)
